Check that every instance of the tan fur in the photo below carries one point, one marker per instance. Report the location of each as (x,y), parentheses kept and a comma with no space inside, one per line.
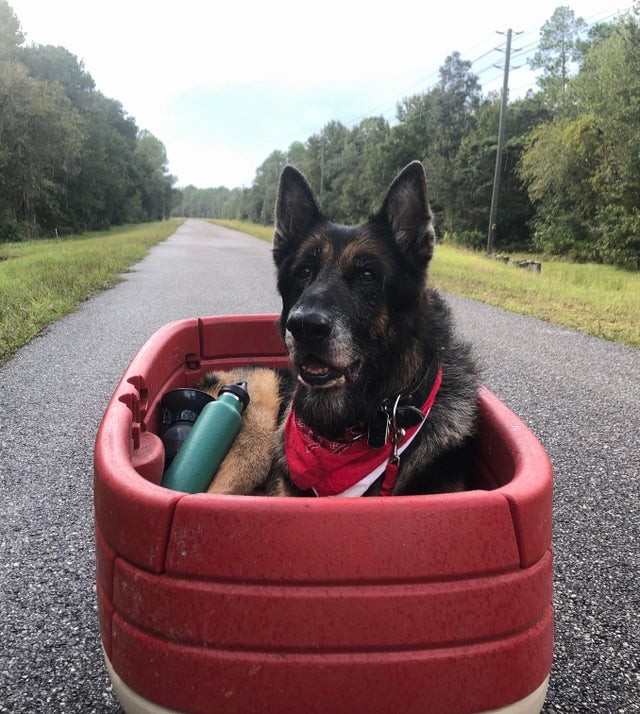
(317,244)
(246,465)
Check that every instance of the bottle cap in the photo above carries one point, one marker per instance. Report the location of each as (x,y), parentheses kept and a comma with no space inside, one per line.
(239,390)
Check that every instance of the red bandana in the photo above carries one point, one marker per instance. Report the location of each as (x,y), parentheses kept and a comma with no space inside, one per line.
(343,468)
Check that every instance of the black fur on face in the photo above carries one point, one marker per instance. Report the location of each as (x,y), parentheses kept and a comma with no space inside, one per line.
(349,298)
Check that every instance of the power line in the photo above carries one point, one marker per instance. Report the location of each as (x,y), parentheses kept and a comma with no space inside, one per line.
(428,80)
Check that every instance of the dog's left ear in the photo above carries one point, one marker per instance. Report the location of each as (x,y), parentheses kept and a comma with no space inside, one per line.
(296,210)
(407,212)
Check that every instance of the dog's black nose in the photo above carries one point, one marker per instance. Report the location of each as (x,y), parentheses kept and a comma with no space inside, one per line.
(309,325)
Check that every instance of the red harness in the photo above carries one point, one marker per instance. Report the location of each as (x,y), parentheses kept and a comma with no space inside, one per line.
(349,467)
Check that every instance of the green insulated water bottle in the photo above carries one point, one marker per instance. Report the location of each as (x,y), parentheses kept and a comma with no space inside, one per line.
(208,442)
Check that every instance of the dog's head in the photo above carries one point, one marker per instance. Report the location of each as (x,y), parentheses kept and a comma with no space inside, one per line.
(350,294)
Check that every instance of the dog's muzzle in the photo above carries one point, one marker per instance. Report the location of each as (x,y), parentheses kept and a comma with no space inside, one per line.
(318,349)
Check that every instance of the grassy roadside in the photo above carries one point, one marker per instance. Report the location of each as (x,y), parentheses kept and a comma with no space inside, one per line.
(599,300)
(253,229)
(42,280)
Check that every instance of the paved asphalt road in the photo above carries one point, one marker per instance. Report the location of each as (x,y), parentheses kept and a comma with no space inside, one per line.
(579,394)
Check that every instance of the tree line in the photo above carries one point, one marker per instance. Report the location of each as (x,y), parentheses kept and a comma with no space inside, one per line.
(571,163)
(71,159)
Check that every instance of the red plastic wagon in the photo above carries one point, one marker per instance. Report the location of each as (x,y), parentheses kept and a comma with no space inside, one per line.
(439,604)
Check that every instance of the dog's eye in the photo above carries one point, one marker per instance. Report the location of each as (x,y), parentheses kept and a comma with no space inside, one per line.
(303,273)
(367,275)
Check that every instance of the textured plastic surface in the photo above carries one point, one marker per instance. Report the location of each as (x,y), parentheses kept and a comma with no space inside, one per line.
(133,703)
(422,603)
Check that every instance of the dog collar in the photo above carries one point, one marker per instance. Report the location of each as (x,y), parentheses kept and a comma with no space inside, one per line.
(402,409)
(350,467)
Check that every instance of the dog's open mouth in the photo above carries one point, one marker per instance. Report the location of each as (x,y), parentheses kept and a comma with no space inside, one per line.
(318,374)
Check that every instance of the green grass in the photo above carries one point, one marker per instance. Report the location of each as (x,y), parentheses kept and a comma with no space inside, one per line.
(253,229)
(596,299)
(42,280)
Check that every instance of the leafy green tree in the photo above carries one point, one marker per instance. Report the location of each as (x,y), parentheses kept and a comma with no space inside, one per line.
(516,209)
(608,87)
(474,169)
(411,137)
(217,202)
(40,140)
(431,127)
(238,204)
(154,183)
(558,166)
(56,64)
(454,104)
(583,169)
(366,171)
(11,36)
(559,50)
(70,158)
(296,154)
(326,161)
(265,187)
(103,192)
(596,33)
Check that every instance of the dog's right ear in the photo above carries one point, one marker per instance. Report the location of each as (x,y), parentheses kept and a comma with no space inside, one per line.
(296,210)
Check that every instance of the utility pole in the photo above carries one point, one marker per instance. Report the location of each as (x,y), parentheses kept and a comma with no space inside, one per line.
(322,170)
(496,178)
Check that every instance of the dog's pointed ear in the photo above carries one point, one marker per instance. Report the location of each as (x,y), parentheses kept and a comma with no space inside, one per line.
(296,209)
(406,211)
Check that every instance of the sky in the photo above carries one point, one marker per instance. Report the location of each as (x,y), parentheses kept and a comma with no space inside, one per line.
(223,84)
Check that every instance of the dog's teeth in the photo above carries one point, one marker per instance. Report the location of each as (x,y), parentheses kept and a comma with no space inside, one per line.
(315,368)
(316,371)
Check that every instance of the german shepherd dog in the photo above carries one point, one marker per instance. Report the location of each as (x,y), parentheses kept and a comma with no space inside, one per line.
(382,395)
